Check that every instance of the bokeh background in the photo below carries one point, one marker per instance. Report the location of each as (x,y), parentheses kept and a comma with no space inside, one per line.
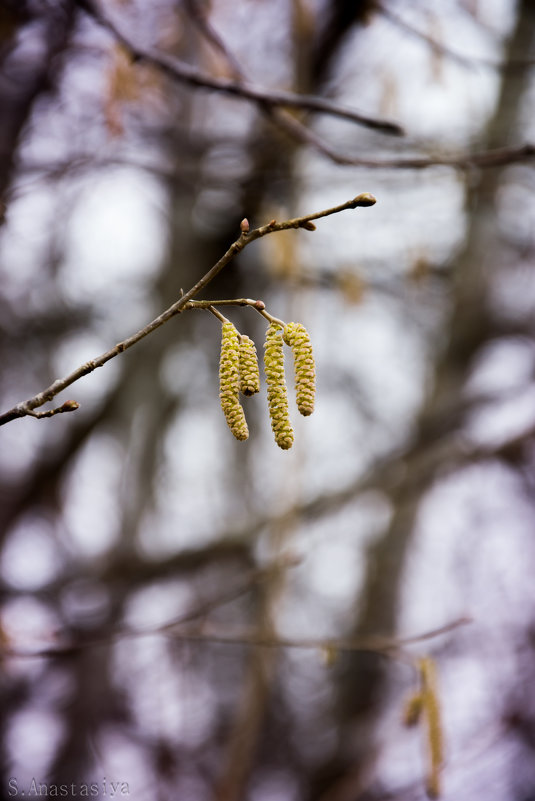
(149,563)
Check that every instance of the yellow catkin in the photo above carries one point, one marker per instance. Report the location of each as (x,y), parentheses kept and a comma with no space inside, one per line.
(431,709)
(297,337)
(276,387)
(229,382)
(249,371)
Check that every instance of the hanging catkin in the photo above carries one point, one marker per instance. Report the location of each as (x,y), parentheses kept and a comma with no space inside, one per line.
(431,709)
(276,387)
(297,337)
(229,381)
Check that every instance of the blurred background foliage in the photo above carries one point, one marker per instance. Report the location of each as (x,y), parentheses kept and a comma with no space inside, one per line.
(407,500)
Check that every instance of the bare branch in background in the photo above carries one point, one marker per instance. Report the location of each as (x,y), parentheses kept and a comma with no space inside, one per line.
(272,102)
(389,647)
(497,157)
(181,71)
(486,159)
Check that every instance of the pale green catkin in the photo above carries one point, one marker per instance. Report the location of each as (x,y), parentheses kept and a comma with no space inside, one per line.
(297,337)
(229,381)
(431,709)
(249,371)
(276,387)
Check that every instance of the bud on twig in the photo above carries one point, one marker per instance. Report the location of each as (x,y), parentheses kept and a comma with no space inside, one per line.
(244,226)
(365,199)
(69,406)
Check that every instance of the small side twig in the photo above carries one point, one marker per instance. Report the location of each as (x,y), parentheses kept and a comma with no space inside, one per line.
(270,317)
(217,314)
(68,406)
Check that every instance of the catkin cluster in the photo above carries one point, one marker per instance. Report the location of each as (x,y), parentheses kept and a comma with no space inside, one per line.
(229,381)
(276,387)
(239,373)
(297,337)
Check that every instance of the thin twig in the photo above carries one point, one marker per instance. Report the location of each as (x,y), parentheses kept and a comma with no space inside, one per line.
(26,407)
(497,157)
(217,314)
(485,159)
(270,317)
(258,305)
(249,582)
(387,646)
(68,406)
(205,304)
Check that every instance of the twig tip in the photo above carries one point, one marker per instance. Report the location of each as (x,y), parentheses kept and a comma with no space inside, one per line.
(364,199)
(69,406)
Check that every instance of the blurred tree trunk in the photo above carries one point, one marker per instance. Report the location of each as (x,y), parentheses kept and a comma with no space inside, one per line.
(30,59)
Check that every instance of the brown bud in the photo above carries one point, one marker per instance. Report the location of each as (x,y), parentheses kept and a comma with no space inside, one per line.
(244,226)
(308,226)
(70,406)
(365,199)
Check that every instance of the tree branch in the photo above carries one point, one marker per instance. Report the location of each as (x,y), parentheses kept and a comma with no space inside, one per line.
(26,408)
(497,157)
(185,73)
(272,102)
(389,647)
(485,159)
